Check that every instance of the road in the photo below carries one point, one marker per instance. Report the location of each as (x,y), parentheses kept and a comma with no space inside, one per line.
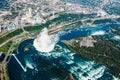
(13,38)
(106,17)
(3,65)
(55,29)
(59,27)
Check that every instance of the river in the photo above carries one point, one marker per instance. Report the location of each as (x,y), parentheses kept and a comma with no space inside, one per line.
(61,62)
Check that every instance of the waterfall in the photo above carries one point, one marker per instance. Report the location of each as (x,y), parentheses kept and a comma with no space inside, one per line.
(45,42)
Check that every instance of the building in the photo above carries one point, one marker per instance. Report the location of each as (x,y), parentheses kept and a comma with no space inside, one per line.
(11,27)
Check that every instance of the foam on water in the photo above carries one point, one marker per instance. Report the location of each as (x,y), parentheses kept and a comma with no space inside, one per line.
(46,43)
(98,33)
(29,65)
(116,37)
(79,67)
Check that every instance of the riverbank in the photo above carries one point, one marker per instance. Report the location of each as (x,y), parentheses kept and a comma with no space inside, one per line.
(105,51)
(67,21)
(4,71)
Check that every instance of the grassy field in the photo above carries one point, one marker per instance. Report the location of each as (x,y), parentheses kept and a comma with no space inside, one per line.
(6,47)
(10,35)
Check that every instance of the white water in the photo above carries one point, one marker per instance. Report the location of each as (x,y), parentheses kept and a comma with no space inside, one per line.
(98,33)
(29,65)
(45,42)
(77,67)
(116,37)
(24,69)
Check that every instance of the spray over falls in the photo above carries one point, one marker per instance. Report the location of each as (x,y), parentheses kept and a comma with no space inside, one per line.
(45,42)
(60,56)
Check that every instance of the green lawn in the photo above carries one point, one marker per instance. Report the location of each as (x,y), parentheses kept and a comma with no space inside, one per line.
(10,35)
(6,47)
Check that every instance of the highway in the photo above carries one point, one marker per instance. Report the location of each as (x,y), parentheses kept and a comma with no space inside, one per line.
(58,28)
(13,38)
(106,17)
(3,65)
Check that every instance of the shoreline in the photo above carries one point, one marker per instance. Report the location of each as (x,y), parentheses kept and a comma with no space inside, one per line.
(30,32)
